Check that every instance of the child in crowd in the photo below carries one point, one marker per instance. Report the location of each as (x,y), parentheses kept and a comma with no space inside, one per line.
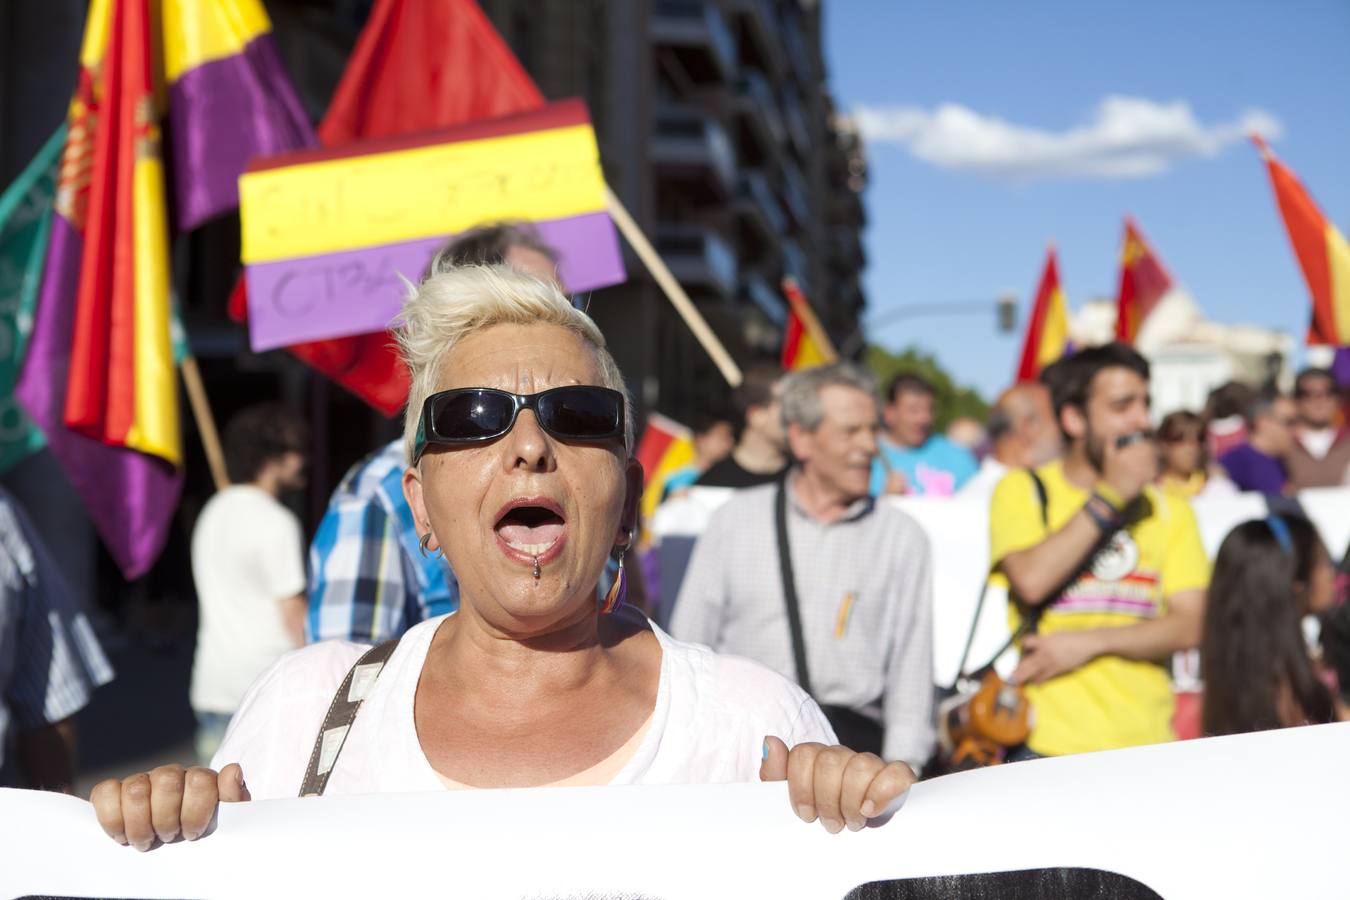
(1258,670)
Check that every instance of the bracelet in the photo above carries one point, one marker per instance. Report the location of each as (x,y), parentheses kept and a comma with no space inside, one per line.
(1105,493)
(1109,521)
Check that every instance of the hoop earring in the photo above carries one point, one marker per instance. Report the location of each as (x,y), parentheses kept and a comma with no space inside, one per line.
(422,546)
(618,591)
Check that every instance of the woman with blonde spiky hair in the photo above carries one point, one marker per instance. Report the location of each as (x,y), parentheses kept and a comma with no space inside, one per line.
(521,473)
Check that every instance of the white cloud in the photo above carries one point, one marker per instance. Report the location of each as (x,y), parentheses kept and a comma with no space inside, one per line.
(1125,137)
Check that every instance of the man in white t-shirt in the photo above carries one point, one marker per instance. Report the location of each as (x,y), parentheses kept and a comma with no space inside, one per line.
(248,566)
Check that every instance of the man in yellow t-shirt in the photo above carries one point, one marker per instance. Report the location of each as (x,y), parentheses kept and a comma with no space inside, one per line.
(1112,573)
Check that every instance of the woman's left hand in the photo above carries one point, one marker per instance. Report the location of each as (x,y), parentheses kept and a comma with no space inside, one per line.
(839,786)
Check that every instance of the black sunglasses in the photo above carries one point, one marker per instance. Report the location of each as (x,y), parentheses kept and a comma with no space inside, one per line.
(474,415)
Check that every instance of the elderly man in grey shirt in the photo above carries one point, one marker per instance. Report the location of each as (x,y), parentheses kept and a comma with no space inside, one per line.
(861,571)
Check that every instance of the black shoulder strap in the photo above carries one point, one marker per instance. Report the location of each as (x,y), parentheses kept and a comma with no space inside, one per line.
(1029,621)
(790,588)
(342,712)
(1041,496)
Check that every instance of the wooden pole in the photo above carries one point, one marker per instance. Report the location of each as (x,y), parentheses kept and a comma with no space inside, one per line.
(206,423)
(797,300)
(678,298)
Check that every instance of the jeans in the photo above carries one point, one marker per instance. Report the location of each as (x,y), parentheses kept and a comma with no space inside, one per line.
(210,732)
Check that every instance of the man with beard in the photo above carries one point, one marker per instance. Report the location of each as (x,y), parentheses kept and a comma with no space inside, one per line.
(1108,575)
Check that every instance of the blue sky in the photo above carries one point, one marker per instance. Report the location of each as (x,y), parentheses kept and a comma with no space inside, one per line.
(949,225)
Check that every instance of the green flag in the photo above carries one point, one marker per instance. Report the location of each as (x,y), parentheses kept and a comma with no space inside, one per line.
(25,225)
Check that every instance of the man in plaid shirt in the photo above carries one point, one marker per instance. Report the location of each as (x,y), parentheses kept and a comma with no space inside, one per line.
(368,580)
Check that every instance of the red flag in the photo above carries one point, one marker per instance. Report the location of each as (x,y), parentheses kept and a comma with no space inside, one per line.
(1143,282)
(1322,252)
(1047,337)
(418,65)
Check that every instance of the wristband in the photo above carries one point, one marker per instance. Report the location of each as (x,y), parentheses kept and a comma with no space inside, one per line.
(1105,493)
(1108,522)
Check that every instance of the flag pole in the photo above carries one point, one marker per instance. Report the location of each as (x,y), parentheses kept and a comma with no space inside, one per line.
(206,423)
(797,300)
(678,298)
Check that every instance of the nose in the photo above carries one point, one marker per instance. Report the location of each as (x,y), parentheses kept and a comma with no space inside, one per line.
(868,441)
(527,447)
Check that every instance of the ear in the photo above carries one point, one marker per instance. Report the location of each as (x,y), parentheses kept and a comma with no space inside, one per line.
(412,492)
(632,500)
(800,442)
(1073,422)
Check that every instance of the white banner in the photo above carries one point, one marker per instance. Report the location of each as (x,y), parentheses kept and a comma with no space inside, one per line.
(958,529)
(1262,814)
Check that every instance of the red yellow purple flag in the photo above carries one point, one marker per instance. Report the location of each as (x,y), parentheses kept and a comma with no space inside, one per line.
(1322,252)
(1047,337)
(1143,282)
(419,65)
(99,378)
(805,342)
(666,445)
(799,350)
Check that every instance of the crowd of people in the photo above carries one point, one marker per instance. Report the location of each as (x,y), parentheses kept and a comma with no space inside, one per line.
(473,589)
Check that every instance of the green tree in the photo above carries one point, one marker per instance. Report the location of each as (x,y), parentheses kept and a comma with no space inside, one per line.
(953,400)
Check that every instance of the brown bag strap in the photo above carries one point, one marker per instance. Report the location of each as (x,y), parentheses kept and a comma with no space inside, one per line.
(358,684)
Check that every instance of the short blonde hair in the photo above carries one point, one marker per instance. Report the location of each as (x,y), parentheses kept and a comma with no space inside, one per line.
(451,304)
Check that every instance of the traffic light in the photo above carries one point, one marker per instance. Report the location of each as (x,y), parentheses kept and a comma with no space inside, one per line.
(1007,313)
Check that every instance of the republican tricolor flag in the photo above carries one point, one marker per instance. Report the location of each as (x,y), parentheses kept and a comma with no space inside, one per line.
(419,65)
(1143,283)
(1322,253)
(1047,337)
(99,377)
(666,445)
(805,342)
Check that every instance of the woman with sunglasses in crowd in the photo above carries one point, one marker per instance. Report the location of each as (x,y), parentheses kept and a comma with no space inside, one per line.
(521,473)
(1185,470)
(1259,671)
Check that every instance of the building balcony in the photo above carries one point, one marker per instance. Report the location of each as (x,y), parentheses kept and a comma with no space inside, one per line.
(755,201)
(795,264)
(692,143)
(698,258)
(755,288)
(755,101)
(798,129)
(699,35)
(795,198)
(797,51)
(846,207)
(848,247)
(761,33)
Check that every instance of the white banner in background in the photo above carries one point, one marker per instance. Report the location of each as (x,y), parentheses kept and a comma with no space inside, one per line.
(1262,813)
(958,529)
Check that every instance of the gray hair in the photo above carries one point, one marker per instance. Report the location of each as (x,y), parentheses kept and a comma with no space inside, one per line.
(451,304)
(801,391)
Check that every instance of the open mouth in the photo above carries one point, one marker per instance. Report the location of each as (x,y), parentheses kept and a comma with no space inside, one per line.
(531,527)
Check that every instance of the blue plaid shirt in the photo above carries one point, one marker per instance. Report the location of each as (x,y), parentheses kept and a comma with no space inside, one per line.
(368,581)
(50,660)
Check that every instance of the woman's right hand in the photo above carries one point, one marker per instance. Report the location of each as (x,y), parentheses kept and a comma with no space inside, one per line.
(164,804)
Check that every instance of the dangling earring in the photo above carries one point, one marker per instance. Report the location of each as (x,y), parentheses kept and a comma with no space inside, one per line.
(422,545)
(618,591)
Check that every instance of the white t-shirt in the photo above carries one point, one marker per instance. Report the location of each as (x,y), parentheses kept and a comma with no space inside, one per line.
(247,556)
(1318,441)
(708,726)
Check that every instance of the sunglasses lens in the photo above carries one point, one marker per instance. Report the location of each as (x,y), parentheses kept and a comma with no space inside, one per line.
(471,415)
(581,412)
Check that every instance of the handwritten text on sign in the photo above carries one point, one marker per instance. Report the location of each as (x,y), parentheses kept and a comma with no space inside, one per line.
(326,236)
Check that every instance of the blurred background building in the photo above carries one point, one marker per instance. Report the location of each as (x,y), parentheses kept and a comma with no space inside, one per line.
(716,129)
